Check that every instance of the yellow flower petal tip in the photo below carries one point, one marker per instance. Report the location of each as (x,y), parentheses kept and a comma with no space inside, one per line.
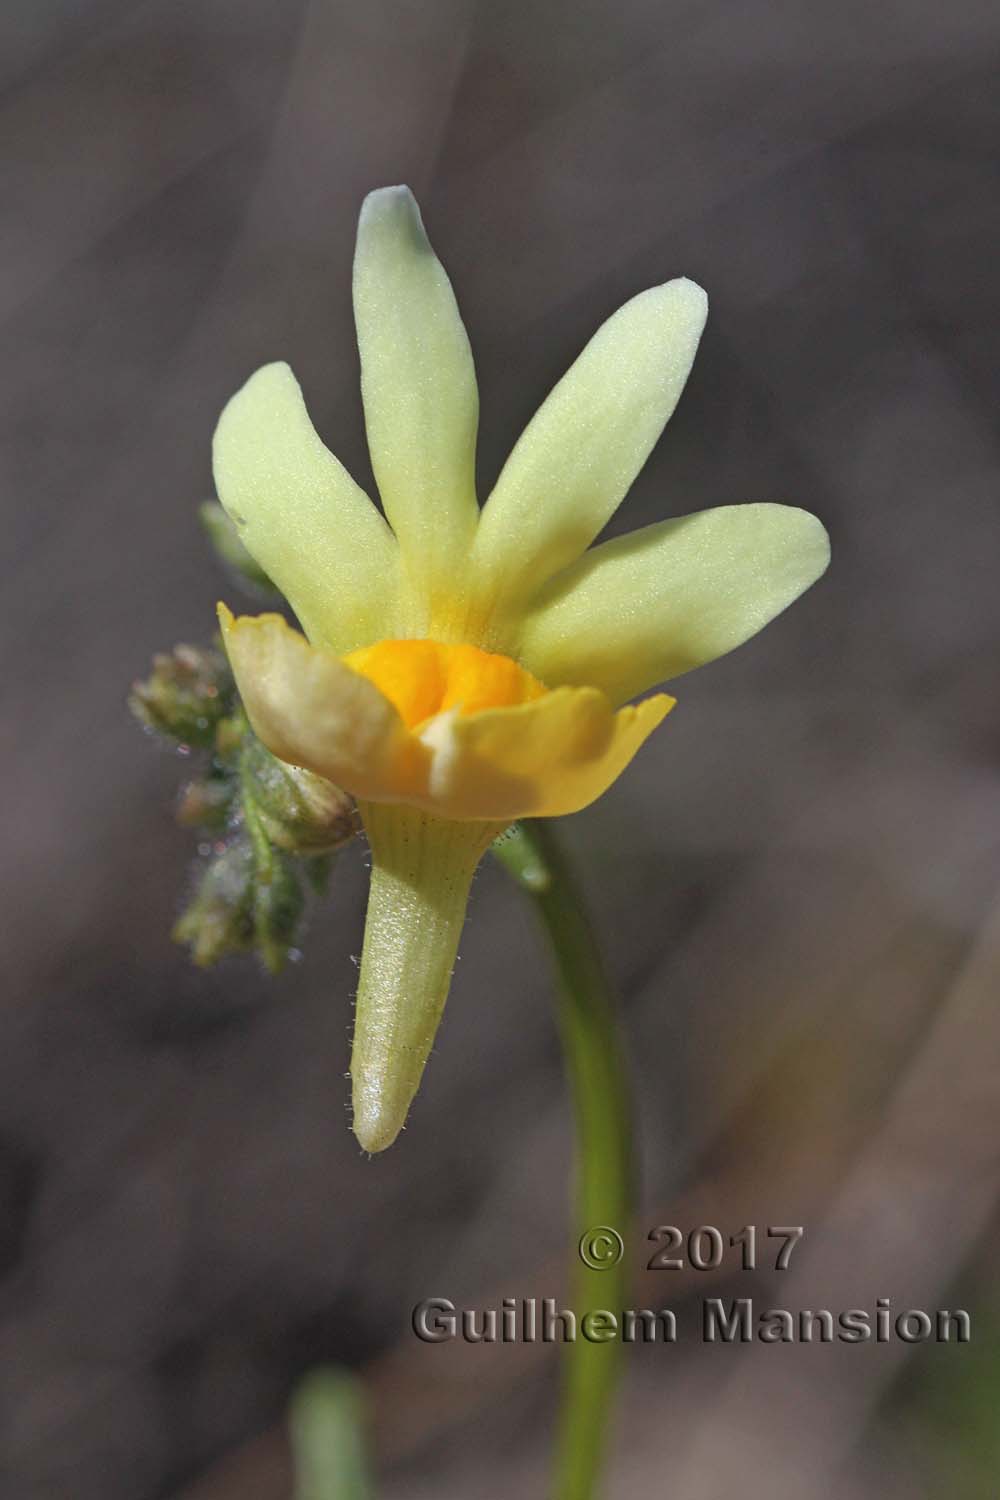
(462,668)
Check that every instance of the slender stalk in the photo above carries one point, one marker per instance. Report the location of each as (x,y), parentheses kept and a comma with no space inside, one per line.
(598,1087)
(328,1430)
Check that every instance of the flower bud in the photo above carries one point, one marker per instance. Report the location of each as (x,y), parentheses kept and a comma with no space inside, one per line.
(188,693)
(244,903)
(299,811)
(207,802)
(220,917)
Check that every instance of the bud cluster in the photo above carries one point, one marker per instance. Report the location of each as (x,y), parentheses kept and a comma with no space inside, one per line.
(272,828)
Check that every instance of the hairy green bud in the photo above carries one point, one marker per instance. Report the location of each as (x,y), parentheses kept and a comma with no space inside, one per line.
(220,917)
(299,811)
(189,692)
(247,899)
(207,802)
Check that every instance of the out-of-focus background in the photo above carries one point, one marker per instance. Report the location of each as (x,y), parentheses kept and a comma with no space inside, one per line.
(798,882)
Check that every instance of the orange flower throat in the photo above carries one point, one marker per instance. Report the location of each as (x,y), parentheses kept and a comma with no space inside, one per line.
(423,678)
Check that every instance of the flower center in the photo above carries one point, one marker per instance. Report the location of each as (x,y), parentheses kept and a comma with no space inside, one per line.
(423,678)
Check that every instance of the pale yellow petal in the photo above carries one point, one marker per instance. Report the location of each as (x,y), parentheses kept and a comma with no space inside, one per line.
(580,453)
(552,756)
(418,384)
(301,515)
(646,607)
(311,710)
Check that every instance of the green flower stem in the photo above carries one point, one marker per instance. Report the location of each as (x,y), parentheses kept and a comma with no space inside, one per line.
(598,1086)
(328,1431)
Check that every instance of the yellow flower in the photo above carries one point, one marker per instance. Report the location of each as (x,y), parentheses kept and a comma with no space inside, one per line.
(460,667)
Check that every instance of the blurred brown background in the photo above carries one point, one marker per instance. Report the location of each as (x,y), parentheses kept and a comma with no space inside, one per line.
(798,882)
